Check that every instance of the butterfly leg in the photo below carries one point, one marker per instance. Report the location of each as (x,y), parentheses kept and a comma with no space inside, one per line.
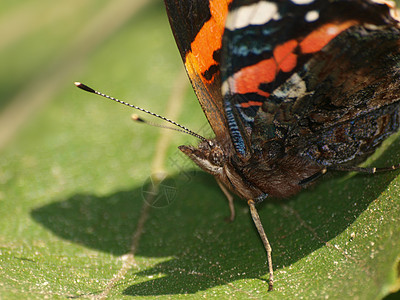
(263,236)
(313,177)
(230,200)
(367,170)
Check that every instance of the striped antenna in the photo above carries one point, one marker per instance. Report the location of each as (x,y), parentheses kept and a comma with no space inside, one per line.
(138,119)
(182,128)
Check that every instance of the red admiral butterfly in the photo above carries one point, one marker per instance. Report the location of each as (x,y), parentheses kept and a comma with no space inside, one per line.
(291,89)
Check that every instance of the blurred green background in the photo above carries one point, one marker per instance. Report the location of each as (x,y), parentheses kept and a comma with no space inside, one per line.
(75,174)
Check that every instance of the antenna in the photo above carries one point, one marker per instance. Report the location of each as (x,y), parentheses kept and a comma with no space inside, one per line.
(138,119)
(183,128)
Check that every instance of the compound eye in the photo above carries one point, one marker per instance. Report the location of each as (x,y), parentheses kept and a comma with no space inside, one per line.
(217,156)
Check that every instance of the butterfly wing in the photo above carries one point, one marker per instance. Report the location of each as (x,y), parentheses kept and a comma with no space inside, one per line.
(277,71)
(354,104)
(198,26)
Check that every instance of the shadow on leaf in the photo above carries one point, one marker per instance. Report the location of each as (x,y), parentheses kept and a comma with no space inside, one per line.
(204,250)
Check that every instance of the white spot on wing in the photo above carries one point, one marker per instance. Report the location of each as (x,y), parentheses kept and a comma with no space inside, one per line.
(225,87)
(302,2)
(332,30)
(255,14)
(228,86)
(312,16)
(294,87)
(392,7)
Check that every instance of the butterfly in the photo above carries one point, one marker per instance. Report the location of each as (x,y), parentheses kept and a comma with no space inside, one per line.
(291,89)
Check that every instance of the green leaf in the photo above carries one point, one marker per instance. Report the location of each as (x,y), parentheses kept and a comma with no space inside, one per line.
(77,177)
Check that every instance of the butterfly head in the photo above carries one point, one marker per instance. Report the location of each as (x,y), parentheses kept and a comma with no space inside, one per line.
(215,157)
(209,155)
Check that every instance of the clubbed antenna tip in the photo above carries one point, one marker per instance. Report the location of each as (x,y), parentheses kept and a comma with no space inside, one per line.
(137,118)
(85,87)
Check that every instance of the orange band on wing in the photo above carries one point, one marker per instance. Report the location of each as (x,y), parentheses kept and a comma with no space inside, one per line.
(284,56)
(284,59)
(209,38)
(248,79)
(250,103)
(320,37)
